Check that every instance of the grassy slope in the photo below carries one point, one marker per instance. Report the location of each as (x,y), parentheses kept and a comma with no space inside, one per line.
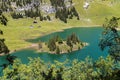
(18,30)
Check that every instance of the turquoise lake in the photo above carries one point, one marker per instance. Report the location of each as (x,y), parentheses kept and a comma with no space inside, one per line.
(89,35)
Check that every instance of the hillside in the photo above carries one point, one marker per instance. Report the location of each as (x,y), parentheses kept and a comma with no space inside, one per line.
(18,30)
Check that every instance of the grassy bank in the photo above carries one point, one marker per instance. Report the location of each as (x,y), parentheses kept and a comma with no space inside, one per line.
(18,30)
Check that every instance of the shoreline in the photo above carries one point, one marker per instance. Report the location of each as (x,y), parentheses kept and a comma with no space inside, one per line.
(86,26)
(62,29)
(33,44)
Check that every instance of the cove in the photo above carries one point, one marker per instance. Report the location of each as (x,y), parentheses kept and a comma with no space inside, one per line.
(90,35)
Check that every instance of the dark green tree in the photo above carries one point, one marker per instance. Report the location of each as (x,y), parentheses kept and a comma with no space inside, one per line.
(58,39)
(58,50)
(74,38)
(3,19)
(68,42)
(52,44)
(3,47)
(111,38)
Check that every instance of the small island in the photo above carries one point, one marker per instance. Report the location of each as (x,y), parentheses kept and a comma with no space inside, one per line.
(56,45)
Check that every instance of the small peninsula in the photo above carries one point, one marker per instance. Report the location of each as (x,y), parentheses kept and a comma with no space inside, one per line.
(56,45)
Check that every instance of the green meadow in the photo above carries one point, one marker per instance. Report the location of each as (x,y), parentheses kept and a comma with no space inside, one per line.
(18,30)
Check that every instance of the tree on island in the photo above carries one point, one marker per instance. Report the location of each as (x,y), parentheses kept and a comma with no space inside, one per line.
(58,50)
(68,42)
(58,39)
(52,44)
(56,43)
(72,39)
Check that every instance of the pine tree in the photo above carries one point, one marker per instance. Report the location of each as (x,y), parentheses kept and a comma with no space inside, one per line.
(52,44)
(68,42)
(74,38)
(3,47)
(3,19)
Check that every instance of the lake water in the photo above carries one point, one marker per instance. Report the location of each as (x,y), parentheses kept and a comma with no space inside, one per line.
(89,35)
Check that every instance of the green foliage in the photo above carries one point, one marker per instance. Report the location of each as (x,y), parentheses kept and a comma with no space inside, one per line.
(62,11)
(3,47)
(52,44)
(57,50)
(111,38)
(58,39)
(102,69)
(3,19)
(72,39)
(16,16)
(111,24)
(69,43)
(105,67)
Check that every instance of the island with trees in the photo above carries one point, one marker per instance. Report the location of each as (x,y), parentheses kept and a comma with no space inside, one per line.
(56,45)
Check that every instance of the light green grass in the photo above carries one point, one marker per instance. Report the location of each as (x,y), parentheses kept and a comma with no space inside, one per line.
(18,30)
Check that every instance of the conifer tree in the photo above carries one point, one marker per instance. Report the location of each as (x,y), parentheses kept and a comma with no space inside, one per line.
(57,50)
(3,47)
(52,44)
